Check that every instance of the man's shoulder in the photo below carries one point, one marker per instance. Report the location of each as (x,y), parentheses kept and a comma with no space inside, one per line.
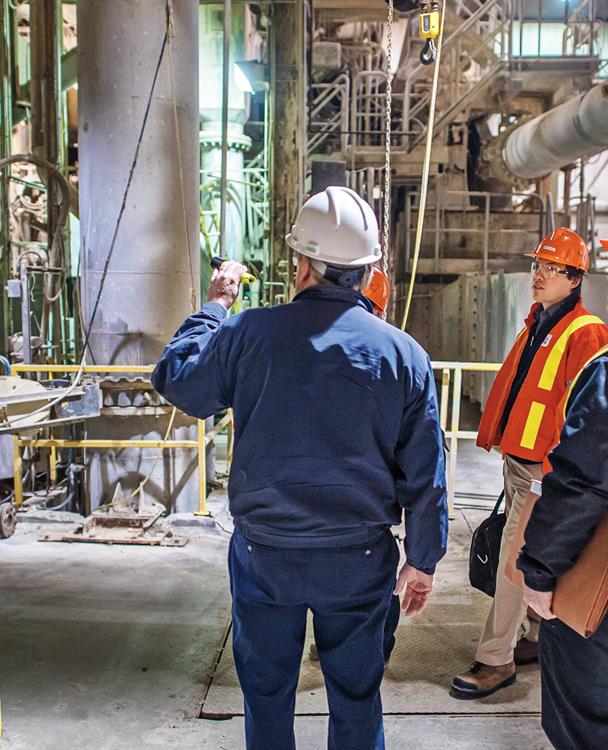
(596,367)
(580,312)
(250,317)
(586,326)
(399,341)
(591,384)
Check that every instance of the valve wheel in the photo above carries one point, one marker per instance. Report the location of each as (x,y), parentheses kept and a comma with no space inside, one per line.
(8,520)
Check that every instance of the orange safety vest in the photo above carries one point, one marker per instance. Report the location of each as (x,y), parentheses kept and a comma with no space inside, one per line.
(531,427)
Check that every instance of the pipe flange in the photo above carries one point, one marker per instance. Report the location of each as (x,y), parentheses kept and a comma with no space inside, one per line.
(211,141)
(493,160)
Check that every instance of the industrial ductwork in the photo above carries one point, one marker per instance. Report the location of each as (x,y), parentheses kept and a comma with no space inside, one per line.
(573,130)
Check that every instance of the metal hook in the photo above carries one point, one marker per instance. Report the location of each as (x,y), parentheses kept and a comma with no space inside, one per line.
(428,55)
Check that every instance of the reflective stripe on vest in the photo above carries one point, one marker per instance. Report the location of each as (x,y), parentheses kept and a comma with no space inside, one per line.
(535,417)
(547,378)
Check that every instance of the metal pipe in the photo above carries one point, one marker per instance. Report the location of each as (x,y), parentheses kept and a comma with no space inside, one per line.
(408,238)
(26,346)
(591,202)
(225,103)
(456,396)
(64,206)
(578,128)
(486,232)
(87,369)
(17,471)
(202,471)
(445,395)
(93,444)
(437,229)
(550,218)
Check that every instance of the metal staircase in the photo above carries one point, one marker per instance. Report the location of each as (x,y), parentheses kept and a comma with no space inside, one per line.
(328,114)
(581,32)
(473,55)
(480,48)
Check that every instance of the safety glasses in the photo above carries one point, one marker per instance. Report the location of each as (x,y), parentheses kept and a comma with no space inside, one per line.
(546,270)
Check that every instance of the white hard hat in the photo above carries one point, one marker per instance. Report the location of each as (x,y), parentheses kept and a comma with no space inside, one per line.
(337,227)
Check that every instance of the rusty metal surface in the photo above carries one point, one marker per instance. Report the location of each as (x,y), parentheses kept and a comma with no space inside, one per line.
(124,520)
(150,541)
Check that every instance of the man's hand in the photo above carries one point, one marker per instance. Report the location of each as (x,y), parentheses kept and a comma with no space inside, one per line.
(225,282)
(418,587)
(540,601)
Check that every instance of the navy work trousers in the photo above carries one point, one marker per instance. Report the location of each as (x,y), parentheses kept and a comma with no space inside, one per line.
(349,592)
(390,627)
(574,679)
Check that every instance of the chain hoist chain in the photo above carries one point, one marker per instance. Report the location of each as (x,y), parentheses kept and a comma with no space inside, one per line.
(387,140)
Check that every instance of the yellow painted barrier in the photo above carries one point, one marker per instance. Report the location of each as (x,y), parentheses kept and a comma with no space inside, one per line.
(204,437)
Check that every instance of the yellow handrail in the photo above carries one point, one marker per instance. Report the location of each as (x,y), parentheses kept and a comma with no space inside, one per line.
(90,369)
(204,437)
(454,434)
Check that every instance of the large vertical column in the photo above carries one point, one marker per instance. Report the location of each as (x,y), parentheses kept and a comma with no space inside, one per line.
(147,290)
(151,275)
(288,79)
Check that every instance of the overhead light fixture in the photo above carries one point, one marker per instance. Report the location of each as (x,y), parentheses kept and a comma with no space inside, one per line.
(250,76)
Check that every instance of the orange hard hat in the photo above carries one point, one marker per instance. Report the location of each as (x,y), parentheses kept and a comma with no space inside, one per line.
(563,246)
(604,243)
(378,289)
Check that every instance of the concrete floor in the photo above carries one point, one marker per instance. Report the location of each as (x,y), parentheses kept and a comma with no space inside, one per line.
(113,647)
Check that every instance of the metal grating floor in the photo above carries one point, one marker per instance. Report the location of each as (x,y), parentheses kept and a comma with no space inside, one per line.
(430,650)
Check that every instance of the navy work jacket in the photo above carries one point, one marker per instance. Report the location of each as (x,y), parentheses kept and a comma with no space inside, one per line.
(335,418)
(575,494)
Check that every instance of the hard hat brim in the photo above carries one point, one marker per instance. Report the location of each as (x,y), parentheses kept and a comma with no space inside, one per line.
(336,260)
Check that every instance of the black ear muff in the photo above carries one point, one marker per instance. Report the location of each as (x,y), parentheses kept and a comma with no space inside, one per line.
(345,278)
(348,279)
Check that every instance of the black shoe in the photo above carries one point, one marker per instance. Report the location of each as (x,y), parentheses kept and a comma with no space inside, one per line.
(526,652)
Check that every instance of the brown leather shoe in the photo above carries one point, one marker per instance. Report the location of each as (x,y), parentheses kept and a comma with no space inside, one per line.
(526,652)
(482,680)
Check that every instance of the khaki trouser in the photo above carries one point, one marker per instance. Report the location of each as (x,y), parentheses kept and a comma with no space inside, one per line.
(507,621)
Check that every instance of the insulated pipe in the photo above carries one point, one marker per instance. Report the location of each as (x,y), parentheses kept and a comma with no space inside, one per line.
(223,142)
(573,130)
(226,75)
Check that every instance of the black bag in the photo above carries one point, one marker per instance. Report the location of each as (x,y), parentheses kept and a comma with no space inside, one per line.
(485,550)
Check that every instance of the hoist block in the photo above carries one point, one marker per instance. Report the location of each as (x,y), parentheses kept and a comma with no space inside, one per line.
(429,25)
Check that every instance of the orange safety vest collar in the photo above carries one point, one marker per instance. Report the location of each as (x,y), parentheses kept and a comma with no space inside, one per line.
(530,430)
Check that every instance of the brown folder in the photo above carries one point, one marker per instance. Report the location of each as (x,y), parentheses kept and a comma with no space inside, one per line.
(581,595)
